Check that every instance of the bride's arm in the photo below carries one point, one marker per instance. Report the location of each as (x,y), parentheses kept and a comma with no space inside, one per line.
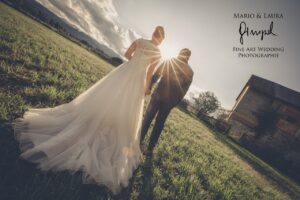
(130,50)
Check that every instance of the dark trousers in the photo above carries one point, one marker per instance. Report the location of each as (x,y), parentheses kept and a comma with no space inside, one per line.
(162,111)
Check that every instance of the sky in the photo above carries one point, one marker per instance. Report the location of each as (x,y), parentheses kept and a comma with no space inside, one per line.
(207,28)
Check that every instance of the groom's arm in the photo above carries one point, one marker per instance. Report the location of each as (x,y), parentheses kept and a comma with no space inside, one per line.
(186,82)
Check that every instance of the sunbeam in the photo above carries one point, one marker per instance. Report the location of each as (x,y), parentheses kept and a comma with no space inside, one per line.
(171,68)
(169,50)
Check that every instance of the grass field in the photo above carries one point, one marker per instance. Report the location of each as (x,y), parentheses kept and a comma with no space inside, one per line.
(40,68)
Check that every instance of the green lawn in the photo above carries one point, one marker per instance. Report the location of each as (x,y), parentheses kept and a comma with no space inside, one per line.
(39,68)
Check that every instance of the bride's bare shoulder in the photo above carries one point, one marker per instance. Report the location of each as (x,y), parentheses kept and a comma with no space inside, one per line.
(139,40)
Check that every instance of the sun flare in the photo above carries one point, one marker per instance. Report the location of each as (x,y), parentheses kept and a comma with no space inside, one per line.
(168,51)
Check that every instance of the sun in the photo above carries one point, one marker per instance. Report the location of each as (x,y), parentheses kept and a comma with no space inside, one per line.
(168,50)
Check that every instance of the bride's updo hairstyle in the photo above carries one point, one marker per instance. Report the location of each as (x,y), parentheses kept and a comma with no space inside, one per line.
(159,32)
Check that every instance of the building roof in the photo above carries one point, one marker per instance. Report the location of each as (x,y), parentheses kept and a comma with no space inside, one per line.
(273,89)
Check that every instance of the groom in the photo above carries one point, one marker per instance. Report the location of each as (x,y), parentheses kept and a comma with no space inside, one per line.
(175,77)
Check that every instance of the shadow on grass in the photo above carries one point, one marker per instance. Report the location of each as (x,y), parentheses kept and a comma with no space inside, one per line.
(147,169)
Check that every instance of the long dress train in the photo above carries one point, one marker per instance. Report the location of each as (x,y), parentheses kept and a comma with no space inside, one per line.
(98,132)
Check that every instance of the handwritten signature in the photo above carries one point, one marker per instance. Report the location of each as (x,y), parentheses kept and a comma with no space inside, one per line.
(244,29)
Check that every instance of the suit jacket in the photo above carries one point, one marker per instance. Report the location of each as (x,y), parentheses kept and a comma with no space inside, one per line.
(171,82)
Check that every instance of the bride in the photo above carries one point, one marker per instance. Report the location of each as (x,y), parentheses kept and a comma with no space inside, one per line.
(99,131)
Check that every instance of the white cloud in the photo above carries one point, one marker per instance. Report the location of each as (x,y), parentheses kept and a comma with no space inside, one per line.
(97,18)
(193,91)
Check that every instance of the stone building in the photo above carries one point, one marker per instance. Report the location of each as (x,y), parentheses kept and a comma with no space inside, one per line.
(266,119)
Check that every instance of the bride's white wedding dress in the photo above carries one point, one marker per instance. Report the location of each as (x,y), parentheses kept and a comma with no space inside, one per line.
(98,132)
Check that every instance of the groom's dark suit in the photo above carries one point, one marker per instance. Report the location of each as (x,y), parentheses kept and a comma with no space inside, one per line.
(174,81)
